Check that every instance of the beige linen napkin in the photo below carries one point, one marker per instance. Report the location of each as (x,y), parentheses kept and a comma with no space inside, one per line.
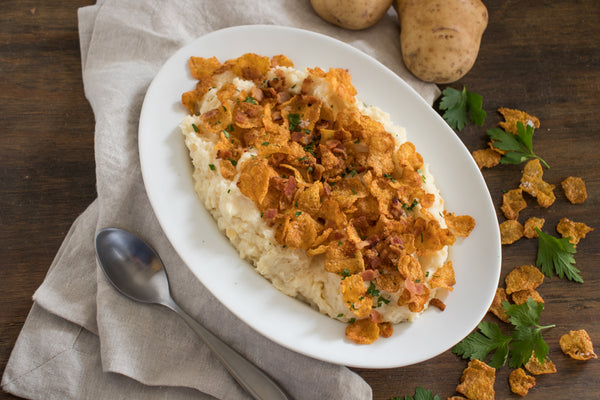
(81,339)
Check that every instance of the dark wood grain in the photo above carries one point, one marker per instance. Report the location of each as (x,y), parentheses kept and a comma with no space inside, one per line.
(540,56)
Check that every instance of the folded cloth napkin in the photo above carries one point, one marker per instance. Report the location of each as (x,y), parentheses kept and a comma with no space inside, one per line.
(82,340)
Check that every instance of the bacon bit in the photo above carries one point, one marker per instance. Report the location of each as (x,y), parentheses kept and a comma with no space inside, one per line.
(371,258)
(370,274)
(435,302)
(257,94)
(269,215)
(376,317)
(282,97)
(290,188)
(302,137)
(224,154)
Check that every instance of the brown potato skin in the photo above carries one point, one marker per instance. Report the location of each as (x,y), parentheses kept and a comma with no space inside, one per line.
(440,38)
(351,14)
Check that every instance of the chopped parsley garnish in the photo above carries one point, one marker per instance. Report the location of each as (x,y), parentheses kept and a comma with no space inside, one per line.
(250,100)
(195,127)
(389,177)
(294,120)
(226,134)
(457,104)
(298,213)
(232,161)
(411,206)
(372,289)
(212,167)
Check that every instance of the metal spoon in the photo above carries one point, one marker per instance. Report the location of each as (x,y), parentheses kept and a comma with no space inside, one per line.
(136,271)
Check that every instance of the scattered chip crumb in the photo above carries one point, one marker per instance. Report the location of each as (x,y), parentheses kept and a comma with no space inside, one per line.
(532,183)
(486,158)
(521,296)
(512,116)
(520,382)
(510,231)
(459,225)
(575,231)
(525,277)
(577,345)
(535,367)
(496,307)
(575,190)
(513,203)
(530,225)
(477,381)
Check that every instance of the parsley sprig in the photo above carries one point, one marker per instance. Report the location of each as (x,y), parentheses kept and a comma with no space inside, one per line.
(518,147)
(460,103)
(555,256)
(525,339)
(420,394)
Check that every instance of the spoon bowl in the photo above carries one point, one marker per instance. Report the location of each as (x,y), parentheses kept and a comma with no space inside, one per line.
(137,271)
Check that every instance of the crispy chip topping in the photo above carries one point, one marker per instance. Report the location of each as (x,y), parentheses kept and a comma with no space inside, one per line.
(496,307)
(536,367)
(530,225)
(486,158)
(328,179)
(577,345)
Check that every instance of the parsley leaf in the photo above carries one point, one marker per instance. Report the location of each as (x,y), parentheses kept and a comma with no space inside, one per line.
(294,120)
(518,148)
(479,344)
(525,339)
(457,104)
(556,256)
(420,394)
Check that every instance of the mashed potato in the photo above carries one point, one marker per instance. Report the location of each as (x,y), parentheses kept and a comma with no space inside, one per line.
(302,272)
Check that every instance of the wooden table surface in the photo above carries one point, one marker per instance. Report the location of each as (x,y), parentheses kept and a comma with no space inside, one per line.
(539,56)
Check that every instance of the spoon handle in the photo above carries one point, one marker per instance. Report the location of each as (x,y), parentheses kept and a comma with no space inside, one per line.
(248,375)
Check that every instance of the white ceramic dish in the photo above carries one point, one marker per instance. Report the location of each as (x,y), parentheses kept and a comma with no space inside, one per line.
(167,174)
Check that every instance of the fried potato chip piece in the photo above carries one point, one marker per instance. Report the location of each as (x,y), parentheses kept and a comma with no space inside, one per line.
(510,231)
(575,231)
(535,367)
(228,170)
(407,156)
(521,296)
(511,117)
(355,295)
(443,277)
(456,398)
(530,225)
(415,294)
(575,190)
(520,382)
(523,278)
(410,268)
(301,231)
(386,329)
(281,60)
(390,281)
(342,257)
(431,236)
(512,203)
(532,183)
(254,179)
(477,381)
(459,225)
(362,331)
(203,67)
(249,66)
(496,307)
(577,345)
(486,158)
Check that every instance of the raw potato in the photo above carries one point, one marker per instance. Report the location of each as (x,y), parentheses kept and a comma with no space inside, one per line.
(351,14)
(440,38)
